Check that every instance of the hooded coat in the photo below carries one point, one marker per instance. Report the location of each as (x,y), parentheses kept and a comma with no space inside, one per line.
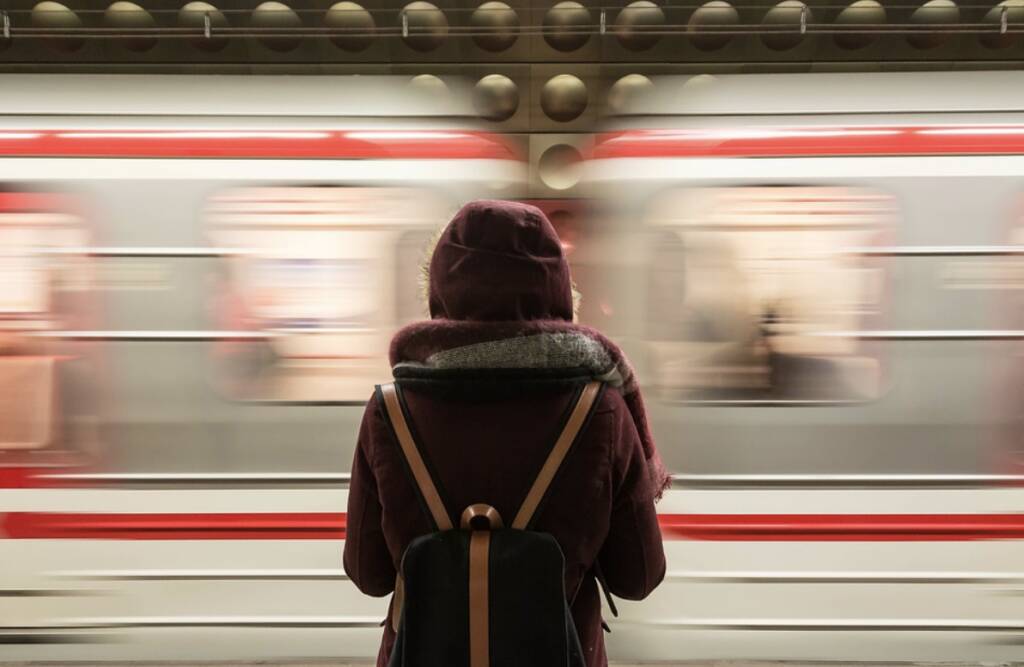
(486,382)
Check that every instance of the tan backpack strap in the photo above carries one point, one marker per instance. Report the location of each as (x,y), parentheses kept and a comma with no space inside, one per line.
(412,456)
(397,602)
(554,461)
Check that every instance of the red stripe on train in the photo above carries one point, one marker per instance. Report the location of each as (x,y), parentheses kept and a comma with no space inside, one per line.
(34,202)
(842,527)
(270,526)
(813,141)
(282,144)
(331,526)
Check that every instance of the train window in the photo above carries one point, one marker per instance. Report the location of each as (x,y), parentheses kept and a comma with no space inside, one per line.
(753,292)
(308,276)
(44,281)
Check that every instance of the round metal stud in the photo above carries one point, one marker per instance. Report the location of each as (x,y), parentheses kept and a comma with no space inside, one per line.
(637,24)
(130,16)
(496,25)
(425,27)
(273,16)
(560,167)
(355,25)
(931,15)
(784,22)
(626,91)
(429,84)
(708,23)
(856,16)
(201,16)
(55,16)
(496,97)
(563,97)
(1003,14)
(567,26)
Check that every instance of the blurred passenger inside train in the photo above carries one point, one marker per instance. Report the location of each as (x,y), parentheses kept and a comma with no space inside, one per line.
(756,314)
(487,381)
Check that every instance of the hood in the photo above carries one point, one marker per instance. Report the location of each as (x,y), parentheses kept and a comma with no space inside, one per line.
(499,261)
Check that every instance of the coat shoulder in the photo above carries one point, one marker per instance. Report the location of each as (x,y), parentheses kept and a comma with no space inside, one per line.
(611,402)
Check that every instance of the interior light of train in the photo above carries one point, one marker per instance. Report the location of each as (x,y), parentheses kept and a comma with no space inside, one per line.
(191,135)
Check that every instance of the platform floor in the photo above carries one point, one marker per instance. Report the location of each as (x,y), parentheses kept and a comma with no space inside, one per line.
(744,663)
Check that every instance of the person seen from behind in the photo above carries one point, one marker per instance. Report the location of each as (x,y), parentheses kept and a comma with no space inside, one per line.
(488,388)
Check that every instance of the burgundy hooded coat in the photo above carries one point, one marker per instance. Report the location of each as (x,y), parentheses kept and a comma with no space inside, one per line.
(486,432)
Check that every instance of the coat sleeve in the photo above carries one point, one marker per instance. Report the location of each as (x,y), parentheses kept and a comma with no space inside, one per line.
(632,558)
(367,559)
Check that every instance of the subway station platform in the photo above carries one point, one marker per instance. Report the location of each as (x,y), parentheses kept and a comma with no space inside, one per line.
(699,663)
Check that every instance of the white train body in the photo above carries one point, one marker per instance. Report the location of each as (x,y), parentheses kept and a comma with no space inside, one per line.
(190,503)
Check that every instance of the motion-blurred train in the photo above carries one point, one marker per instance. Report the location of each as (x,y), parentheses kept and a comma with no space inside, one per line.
(818,276)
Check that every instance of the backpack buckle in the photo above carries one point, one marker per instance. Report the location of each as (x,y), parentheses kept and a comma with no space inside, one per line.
(481,517)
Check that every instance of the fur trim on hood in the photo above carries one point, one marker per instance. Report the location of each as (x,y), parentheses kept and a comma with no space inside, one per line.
(540,351)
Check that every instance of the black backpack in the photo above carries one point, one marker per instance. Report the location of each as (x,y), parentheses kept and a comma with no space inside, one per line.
(480,594)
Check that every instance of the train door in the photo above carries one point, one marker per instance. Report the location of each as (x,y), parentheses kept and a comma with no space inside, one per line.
(49,411)
(1002,271)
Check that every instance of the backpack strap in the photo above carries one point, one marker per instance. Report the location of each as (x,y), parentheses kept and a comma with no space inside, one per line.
(580,412)
(420,473)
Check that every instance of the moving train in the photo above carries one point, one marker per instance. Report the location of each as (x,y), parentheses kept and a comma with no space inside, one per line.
(831,265)
(817,276)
